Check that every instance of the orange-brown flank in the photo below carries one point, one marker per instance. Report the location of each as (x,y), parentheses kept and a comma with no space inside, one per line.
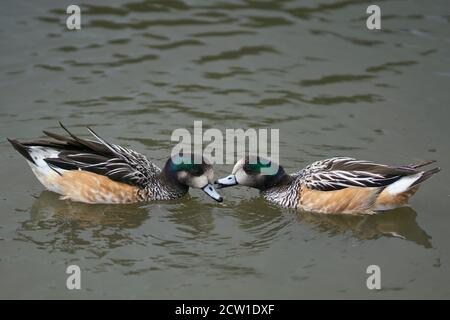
(352,200)
(389,201)
(348,200)
(90,187)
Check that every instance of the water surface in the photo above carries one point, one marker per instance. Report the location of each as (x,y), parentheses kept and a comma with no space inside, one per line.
(139,69)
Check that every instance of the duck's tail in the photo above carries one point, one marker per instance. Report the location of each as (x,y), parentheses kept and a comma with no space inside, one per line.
(36,156)
(421,164)
(425,175)
(411,181)
(34,153)
(22,149)
(398,193)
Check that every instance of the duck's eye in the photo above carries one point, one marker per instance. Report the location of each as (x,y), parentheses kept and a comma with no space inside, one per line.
(249,169)
(196,171)
(255,168)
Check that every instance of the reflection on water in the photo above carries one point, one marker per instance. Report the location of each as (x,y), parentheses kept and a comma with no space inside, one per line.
(270,222)
(400,223)
(139,69)
(194,218)
(263,221)
(48,207)
(192,221)
(66,226)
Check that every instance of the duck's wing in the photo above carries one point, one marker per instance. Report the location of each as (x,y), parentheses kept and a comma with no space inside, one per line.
(339,173)
(104,158)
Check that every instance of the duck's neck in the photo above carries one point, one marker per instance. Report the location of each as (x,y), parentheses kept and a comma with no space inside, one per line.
(171,184)
(283,192)
(280,180)
(165,187)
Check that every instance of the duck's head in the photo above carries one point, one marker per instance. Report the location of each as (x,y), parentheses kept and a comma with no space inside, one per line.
(255,172)
(193,171)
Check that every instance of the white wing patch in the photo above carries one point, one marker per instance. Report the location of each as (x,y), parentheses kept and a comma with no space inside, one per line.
(403,184)
(43,172)
(40,153)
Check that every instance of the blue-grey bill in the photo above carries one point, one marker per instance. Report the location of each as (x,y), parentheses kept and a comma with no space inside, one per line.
(210,191)
(226,182)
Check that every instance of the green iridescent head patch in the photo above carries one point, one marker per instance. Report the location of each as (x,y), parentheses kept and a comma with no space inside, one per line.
(186,163)
(266,167)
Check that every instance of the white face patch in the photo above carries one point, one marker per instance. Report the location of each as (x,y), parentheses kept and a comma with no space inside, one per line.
(197,182)
(244,179)
(209,175)
(182,176)
(239,165)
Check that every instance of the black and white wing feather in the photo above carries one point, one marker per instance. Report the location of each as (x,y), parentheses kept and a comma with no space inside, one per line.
(339,173)
(104,158)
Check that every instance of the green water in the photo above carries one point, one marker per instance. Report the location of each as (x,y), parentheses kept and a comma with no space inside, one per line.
(137,70)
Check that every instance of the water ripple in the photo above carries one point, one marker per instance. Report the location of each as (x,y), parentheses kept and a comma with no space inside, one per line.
(335,78)
(236,54)
(124,60)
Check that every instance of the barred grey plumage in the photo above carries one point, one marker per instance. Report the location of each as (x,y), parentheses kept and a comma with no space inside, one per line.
(343,172)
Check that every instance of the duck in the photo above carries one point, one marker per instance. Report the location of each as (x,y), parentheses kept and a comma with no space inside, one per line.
(97,171)
(339,185)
